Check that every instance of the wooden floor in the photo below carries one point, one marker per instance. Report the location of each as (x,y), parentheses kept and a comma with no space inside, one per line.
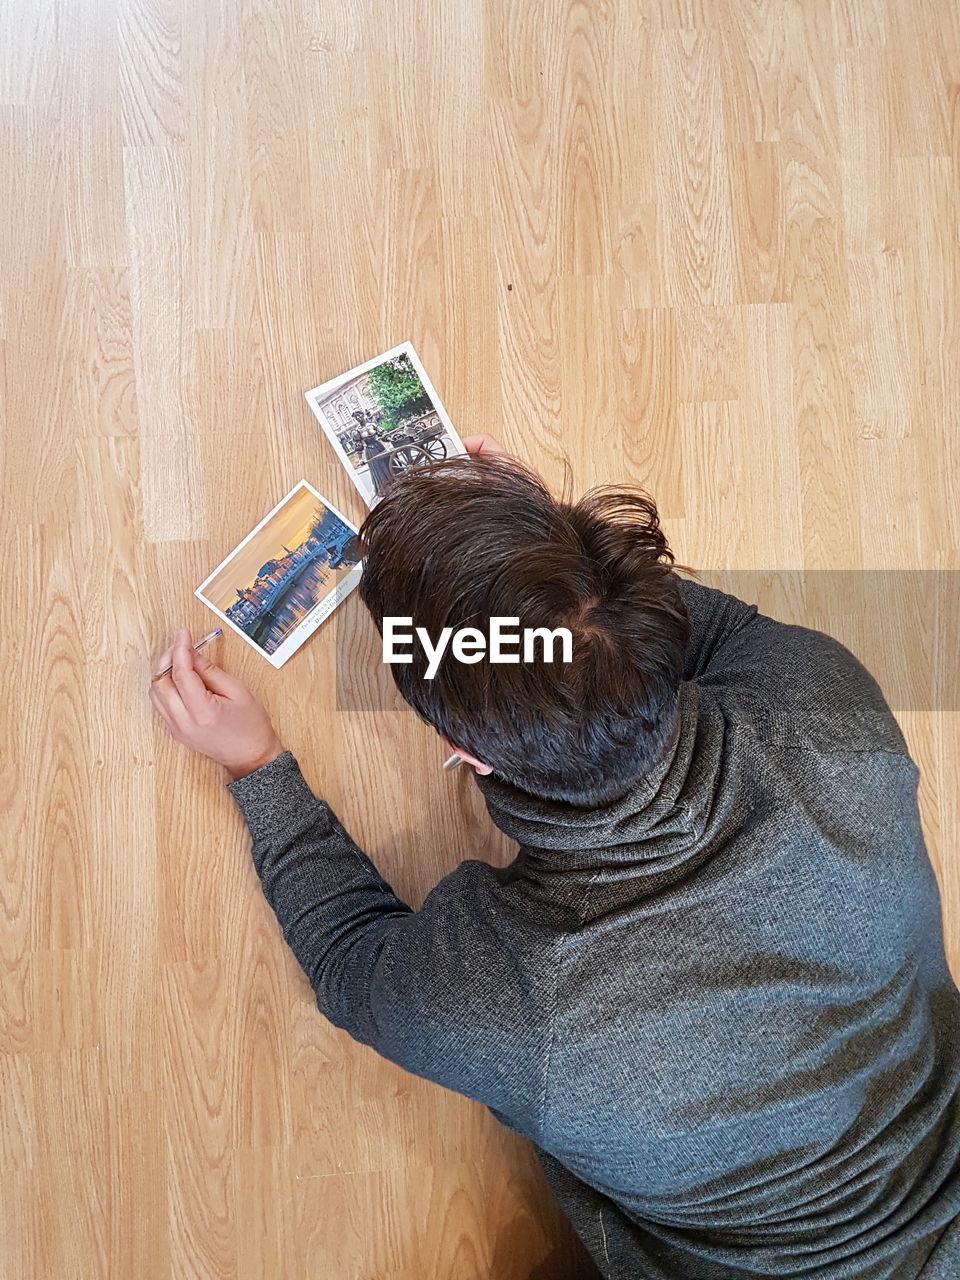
(707,245)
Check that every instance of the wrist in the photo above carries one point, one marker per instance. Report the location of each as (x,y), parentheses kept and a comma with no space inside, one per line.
(241,770)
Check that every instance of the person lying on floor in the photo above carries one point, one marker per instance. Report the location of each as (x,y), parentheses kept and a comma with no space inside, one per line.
(711,988)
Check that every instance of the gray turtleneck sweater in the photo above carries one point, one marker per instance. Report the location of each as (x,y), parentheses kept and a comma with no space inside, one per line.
(719,1008)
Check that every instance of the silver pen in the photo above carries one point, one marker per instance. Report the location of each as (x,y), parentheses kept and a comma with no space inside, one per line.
(197,647)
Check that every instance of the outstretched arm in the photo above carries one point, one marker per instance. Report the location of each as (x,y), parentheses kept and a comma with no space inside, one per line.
(413,985)
(335,909)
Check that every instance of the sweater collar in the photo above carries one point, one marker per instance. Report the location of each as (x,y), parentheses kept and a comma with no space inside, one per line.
(670,804)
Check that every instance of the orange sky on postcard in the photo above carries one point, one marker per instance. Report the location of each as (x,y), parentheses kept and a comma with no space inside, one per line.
(288,528)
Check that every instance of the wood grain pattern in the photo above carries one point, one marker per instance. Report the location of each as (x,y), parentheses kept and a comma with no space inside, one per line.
(708,247)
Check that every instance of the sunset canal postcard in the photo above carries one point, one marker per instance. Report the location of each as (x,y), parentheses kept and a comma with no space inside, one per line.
(287,575)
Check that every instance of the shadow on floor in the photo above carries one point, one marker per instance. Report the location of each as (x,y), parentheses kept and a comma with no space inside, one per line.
(568,1261)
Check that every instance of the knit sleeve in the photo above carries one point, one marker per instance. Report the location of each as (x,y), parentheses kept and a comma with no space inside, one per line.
(428,989)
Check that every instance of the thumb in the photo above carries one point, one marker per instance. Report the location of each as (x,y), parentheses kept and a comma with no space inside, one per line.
(215,678)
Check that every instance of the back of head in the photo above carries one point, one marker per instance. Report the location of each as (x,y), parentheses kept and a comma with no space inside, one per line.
(464,541)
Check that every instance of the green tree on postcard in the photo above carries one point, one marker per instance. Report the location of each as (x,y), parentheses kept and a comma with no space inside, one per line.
(397,389)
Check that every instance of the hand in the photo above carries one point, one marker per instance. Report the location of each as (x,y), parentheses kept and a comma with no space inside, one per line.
(211,712)
(484,446)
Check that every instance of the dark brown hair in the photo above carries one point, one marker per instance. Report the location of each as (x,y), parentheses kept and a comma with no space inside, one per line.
(457,543)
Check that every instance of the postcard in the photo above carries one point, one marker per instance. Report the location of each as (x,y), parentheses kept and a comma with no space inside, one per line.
(287,576)
(383,418)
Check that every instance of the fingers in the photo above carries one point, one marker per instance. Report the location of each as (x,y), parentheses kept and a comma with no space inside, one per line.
(159,708)
(215,678)
(163,693)
(163,661)
(162,699)
(482,445)
(185,692)
(193,692)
